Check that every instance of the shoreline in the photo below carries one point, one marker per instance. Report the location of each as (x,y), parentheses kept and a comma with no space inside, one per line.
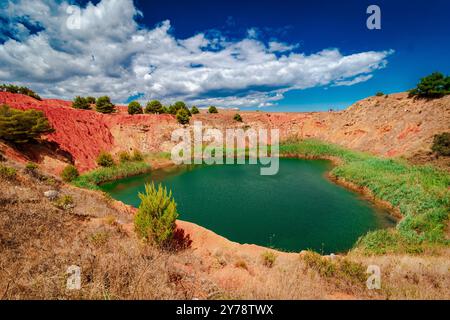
(363,191)
(205,233)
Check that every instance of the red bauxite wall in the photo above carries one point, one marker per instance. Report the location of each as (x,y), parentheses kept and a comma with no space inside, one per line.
(82,133)
(393,125)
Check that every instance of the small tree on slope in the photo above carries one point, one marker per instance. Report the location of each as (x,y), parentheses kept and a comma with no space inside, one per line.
(104,105)
(19,126)
(156,216)
(134,108)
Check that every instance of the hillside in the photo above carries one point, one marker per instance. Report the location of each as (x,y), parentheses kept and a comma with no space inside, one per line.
(41,237)
(393,126)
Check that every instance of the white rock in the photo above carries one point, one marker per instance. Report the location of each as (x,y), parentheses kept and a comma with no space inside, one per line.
(51,194)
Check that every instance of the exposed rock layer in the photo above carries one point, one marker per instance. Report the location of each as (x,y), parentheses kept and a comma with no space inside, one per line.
(393,125)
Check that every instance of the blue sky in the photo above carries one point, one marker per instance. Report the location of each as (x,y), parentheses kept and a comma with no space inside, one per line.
(280,55)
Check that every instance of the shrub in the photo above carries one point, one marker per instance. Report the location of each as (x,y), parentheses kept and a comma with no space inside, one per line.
(379,94)
(22,90)
(104,105)
(154,106)
(172,110)
(436,85)
(212,109)
(19,126)
(90,100)
(65,202)
(31,168)
(124,156)
(105,159)
(441,144)
(237,117)
(268,258)
(69,173)
(80,103)
(180,105)
(183,116)
(194,110)
(137,155)
(100,238)
(353,271)
(7,172)
(156,216)
(134,108)
(322,265)
(341,268)
(177,106)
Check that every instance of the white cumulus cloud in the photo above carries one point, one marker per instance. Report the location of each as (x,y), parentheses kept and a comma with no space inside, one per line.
(110,54)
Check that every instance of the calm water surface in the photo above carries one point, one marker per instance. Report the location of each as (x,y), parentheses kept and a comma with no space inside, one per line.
(294,210)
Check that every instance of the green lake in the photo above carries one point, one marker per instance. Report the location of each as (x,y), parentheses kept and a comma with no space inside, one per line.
(296,209)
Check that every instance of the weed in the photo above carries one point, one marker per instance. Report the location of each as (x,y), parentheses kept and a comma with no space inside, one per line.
(99,239)
(268,258)
(241,264)
(65,202)
(7,173)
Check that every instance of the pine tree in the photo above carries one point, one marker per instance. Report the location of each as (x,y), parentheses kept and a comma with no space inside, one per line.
(212,109)
(156,216)
(194,110)
(104,105)
(81,103)
(154,106)
(90,100)
(22,90)
(183,116)
(19,126)
(436,85)
(134,108)
(237,117)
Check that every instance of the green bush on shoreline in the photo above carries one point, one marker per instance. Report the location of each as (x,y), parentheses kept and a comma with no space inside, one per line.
(105,159)
(156,215)
(69,173)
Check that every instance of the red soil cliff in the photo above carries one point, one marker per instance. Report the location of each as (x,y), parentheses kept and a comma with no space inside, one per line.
(393,125)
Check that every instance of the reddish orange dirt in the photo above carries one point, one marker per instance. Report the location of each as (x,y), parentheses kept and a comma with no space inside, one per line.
(393,125)
(82,133)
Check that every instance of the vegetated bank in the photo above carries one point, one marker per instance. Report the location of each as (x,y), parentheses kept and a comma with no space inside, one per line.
(91,179)
(133,165)
(420,193)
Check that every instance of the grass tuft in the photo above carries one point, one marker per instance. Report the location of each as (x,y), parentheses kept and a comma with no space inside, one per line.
(268,258)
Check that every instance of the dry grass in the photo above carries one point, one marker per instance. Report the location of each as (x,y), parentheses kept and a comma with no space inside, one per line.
(40,240)
(412,277)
